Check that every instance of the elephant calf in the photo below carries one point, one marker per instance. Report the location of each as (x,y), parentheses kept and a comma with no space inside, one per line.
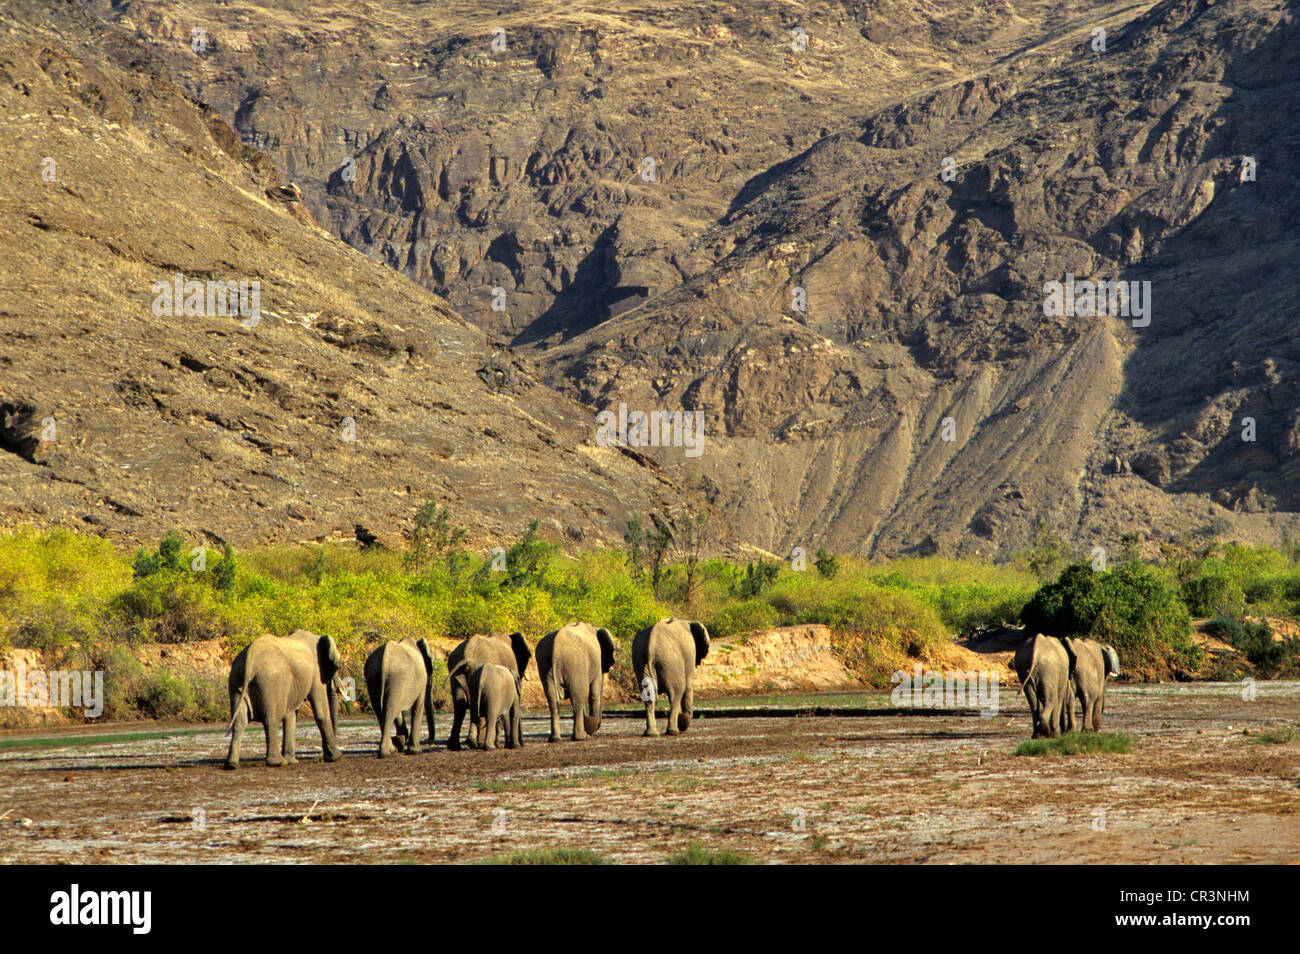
(494,702)
(270,679)
(399,678)
(510,651)
(1090,664)
(1043,666)
(665,656)
(572,662)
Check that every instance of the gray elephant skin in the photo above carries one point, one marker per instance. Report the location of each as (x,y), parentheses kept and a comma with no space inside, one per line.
(510,651)
(665,656)
(1043,666)
(1090,665)
(572,662)
(399,678)
(270,679)
(494,704)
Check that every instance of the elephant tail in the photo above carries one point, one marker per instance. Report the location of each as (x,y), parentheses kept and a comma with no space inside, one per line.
(241,704)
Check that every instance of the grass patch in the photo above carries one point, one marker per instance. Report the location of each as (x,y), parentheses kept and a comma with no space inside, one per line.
(1278,736)
(696,854)
(1078,743)
(551,856)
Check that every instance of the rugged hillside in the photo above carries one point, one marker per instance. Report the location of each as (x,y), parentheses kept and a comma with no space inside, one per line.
(785,174)
(351,396)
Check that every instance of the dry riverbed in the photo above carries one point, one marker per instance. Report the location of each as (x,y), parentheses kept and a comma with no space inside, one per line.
(796,789)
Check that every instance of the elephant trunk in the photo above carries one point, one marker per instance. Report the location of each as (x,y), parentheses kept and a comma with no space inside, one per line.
(591,723)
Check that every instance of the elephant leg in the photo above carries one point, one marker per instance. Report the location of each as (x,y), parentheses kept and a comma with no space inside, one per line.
(501,727)
(579,710)
(274,753)
(650,727)
(488,728)
(553,703)
(413,738)
(320,711)
(238,724)
(1096,714)
(291,737)
(674,712)
(458,708)
(516,738)
(688,709)
(387,731)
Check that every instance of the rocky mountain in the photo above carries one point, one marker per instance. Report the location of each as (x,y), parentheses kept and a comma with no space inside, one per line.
(319,395)
(831,229)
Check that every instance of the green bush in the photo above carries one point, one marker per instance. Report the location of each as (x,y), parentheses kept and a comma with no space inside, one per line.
(1255,641)
(1212,596)
(1078,743)
(1128,607)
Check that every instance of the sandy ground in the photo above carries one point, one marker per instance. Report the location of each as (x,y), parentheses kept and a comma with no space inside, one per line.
(935,789)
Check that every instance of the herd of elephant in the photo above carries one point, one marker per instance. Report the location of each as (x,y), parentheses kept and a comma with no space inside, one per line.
(1054,672)
(272,678)
(275,675)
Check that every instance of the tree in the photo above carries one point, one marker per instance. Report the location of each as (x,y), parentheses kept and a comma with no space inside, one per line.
(635,538)
(827,565)
(431,537)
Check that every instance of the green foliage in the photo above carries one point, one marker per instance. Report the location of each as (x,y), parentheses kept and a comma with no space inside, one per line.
(827,565)
(526,560)
(697,854)
(1271,656)
(1128,607)
(1078,743)
(551,856)
(1278,736)
(1212,595)
(432,538)
(1047,553)
(635,538)
(758,577)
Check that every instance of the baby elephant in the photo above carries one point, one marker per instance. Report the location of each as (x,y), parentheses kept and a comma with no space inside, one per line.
(494,702)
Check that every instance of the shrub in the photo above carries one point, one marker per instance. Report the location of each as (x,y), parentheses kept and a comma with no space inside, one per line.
(1212,596)
(1078,743)
(695,854)
(551,856)
(827,565)
(1128,607)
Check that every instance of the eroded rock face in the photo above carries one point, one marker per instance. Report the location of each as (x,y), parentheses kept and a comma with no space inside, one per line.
(349,398)
(865,334)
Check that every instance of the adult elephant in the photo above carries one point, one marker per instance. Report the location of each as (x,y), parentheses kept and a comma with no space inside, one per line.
(1043,666)
(399,678)
(1090,663)
(665,656)
(494,702)
(510,651)
(572,662)
(270,679)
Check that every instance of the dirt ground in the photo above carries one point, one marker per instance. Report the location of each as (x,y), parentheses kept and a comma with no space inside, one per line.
(937,789)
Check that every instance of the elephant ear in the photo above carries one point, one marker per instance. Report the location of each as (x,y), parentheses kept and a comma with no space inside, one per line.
(519,646)
(701,641)
(1112,660)
(1072,652)
(422,644)
(327,655)
(606,649)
